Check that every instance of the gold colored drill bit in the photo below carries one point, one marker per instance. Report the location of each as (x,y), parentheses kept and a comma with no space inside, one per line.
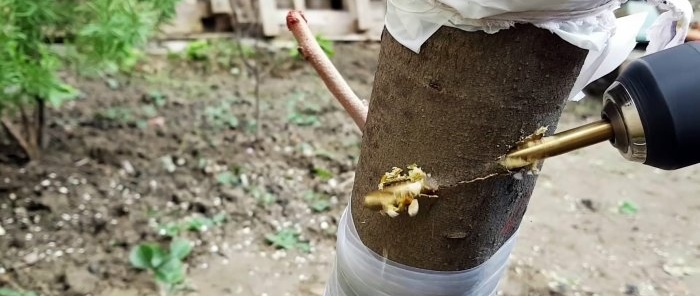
(536,149)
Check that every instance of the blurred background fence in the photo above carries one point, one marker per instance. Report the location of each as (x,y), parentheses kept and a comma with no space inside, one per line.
(349,20)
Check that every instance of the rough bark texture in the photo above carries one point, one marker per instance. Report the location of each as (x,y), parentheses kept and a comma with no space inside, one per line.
(453,110)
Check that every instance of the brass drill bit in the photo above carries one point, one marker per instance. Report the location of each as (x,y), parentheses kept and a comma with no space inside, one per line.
(537,149)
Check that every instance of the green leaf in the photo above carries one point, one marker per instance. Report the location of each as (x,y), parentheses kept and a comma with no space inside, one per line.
(227,178)
(171,271)
(322,174)
(146,256)
(60,94)
(149,111)
(157,98)
(219,218)
(180,248)
(320,205)
(287,239)
(199,223)
(232,121)
(171,229)
(304,247)
(10,292)
(627,208)
(317,202)
(197,50)
(326,45)
(262,196)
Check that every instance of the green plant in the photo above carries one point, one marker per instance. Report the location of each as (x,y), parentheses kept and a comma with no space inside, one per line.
(197,50)
(302,112)
(116,114)
(627,208)
(288,239)
(203,223)
(262,196)
(228,178)
(97,36)
(10,292)
(322,173)
(317,202)
(157,98)
(196,223)
(166,266)
(221,115)
(326,46)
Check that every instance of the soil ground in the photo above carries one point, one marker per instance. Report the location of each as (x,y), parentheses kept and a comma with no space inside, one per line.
(179,140)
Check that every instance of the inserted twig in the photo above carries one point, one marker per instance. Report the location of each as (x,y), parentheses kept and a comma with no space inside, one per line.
(312,52)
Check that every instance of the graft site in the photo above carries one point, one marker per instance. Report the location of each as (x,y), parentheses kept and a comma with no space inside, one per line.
(343,148)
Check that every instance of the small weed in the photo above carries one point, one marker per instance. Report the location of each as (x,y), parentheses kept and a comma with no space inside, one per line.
(262,196)
(167,266)
(116,114)
(317,202)
(149,111)
(202,163)
(288,239)
(627,208)
(220,116)
(196,223)
(156,98)
(171,229)
(303,113)
(228,178)
(10,292)
(197,50)
(322,173)
(202,224)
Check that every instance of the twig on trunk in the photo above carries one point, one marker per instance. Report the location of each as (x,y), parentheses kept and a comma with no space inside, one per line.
(312,52)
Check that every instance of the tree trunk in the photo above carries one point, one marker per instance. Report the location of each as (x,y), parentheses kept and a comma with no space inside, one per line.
(453,110)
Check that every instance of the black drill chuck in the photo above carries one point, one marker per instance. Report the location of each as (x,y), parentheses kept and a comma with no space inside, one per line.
(654,107)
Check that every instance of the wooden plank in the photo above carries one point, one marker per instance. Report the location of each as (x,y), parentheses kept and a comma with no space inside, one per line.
(363,14)
(188,18)
(221,6)
(329,23)
(319,4)
(269,17)
(300,5)
(243,11)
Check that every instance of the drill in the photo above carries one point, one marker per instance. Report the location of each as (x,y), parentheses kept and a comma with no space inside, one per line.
(651,114)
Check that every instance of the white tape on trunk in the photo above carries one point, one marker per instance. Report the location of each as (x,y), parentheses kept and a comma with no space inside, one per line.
(358,271)
(588,24)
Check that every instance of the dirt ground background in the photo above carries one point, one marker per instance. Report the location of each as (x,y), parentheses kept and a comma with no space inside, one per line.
(179,139)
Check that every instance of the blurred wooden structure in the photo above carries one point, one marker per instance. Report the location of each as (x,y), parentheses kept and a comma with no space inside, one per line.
(334,19)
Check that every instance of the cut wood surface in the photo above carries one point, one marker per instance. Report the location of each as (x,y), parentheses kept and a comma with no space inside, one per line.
(453,110)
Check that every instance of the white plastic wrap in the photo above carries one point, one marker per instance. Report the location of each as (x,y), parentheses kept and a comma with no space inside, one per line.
(588,24)
(358,271)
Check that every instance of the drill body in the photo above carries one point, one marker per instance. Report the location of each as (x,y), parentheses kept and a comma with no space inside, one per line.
(654,108)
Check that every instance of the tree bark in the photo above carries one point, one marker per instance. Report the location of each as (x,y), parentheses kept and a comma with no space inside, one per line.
(453,110)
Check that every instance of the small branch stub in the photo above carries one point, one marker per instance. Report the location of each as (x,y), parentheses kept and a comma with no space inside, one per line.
(312,52)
